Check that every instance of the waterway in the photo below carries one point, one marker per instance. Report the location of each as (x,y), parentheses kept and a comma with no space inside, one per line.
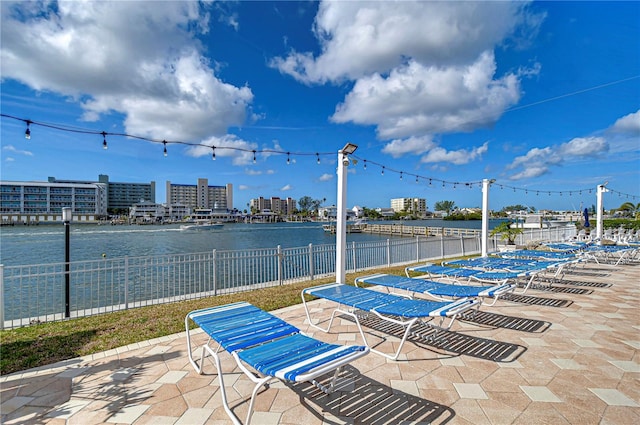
(43,244)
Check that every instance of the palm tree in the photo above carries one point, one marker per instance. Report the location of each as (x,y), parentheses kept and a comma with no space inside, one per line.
(507,233)
(444,206)
(630,208)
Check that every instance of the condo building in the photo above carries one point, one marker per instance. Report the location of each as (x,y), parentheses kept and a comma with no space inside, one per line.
(274,205)
(417,206)
(200,195)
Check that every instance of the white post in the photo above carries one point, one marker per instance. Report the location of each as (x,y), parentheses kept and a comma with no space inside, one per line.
(600,211)
(485,216)
(341,214)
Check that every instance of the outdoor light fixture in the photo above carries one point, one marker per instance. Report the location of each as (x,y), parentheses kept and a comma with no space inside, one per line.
(104,140)
(349,148)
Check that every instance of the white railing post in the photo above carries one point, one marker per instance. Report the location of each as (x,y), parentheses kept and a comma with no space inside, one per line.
(388,253)
(600,211)
(442,243)
(126,282)
(353,247)
(215,273)
(486,183)
(462,244)
(417,248)
(279,255)
(311,263)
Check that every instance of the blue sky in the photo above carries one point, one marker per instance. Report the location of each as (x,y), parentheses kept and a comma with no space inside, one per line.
(544,97)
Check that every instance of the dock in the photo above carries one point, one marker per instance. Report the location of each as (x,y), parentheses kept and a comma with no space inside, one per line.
(402,230)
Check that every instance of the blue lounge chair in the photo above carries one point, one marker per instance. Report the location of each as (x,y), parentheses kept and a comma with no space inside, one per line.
(269,345)
(444,272)
(437,290)
(387,307)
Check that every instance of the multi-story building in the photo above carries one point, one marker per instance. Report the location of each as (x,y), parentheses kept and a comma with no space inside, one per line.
(43,201)
(417,206)
(274,205)
(201,195)
(120,196)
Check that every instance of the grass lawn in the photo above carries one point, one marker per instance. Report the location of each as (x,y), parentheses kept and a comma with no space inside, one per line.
(39,345)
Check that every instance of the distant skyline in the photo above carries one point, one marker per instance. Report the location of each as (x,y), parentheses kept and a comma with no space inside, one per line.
(545,99)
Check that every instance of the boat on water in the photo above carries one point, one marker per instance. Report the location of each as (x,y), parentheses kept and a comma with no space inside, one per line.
(352,227)
(201,225)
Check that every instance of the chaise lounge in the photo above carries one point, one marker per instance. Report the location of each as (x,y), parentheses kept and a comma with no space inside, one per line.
(265,348)
(390,308)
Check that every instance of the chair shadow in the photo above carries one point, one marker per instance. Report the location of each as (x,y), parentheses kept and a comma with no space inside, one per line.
(425,335)
(577,283)
(561,289)
(363,400)
(495,320)
(587,273)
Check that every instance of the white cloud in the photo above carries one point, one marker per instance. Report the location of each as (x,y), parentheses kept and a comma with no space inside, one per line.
(628,124)
(9,159)
(252,172)
(325,177)
(458,157)
(243,187)
(422,68)
(13,149)
(538,161)
(418,100)
(286,188)
(412,145)
(151,72)
(382,35)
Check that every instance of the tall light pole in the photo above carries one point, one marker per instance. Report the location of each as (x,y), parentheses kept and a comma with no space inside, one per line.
(486,183)
(341,214)
(600,211)
(66,219)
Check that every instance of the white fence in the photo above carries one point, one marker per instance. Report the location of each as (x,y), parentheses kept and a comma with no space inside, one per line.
(36,293)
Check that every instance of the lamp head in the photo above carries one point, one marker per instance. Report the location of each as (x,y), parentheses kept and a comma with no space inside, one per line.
(349,148)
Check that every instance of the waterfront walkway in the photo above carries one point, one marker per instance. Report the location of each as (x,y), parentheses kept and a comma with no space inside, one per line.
(568,356)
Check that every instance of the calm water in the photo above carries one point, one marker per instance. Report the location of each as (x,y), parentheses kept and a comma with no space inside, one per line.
(20,245)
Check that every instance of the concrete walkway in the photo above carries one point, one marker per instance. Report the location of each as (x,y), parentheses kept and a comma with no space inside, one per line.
(567,356)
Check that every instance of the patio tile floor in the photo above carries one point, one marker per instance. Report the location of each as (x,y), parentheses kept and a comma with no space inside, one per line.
(543,357)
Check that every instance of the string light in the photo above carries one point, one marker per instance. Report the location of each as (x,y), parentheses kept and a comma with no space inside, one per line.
(27,132)
(213,154)
(104,134)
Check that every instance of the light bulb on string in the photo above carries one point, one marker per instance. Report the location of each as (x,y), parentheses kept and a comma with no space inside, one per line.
(382,173)
(430,182)
(164,143)
(417,179)
(400,175)
(365,164)
(254,156)
(27,132)
(318,156)
(288,158)
(213,153)
(104,140)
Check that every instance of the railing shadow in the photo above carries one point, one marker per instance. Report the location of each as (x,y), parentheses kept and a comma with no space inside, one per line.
(363,400)
(422,334)
(495,320)
(541,301)
(587,273)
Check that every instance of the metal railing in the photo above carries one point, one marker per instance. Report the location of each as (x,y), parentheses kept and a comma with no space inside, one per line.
(35,293)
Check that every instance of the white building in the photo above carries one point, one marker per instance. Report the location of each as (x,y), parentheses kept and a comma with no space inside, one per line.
(416,206)
(43,201)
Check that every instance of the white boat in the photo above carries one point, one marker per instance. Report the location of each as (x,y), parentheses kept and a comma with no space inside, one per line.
(201,225)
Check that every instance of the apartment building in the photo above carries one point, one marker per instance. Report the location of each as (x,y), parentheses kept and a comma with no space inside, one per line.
(200,195)
(417,206)
(274,204)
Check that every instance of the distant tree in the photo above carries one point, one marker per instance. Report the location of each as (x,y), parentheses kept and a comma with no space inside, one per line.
(630,209)
(306,204)
(371,213)
(446,206)
(517,207)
